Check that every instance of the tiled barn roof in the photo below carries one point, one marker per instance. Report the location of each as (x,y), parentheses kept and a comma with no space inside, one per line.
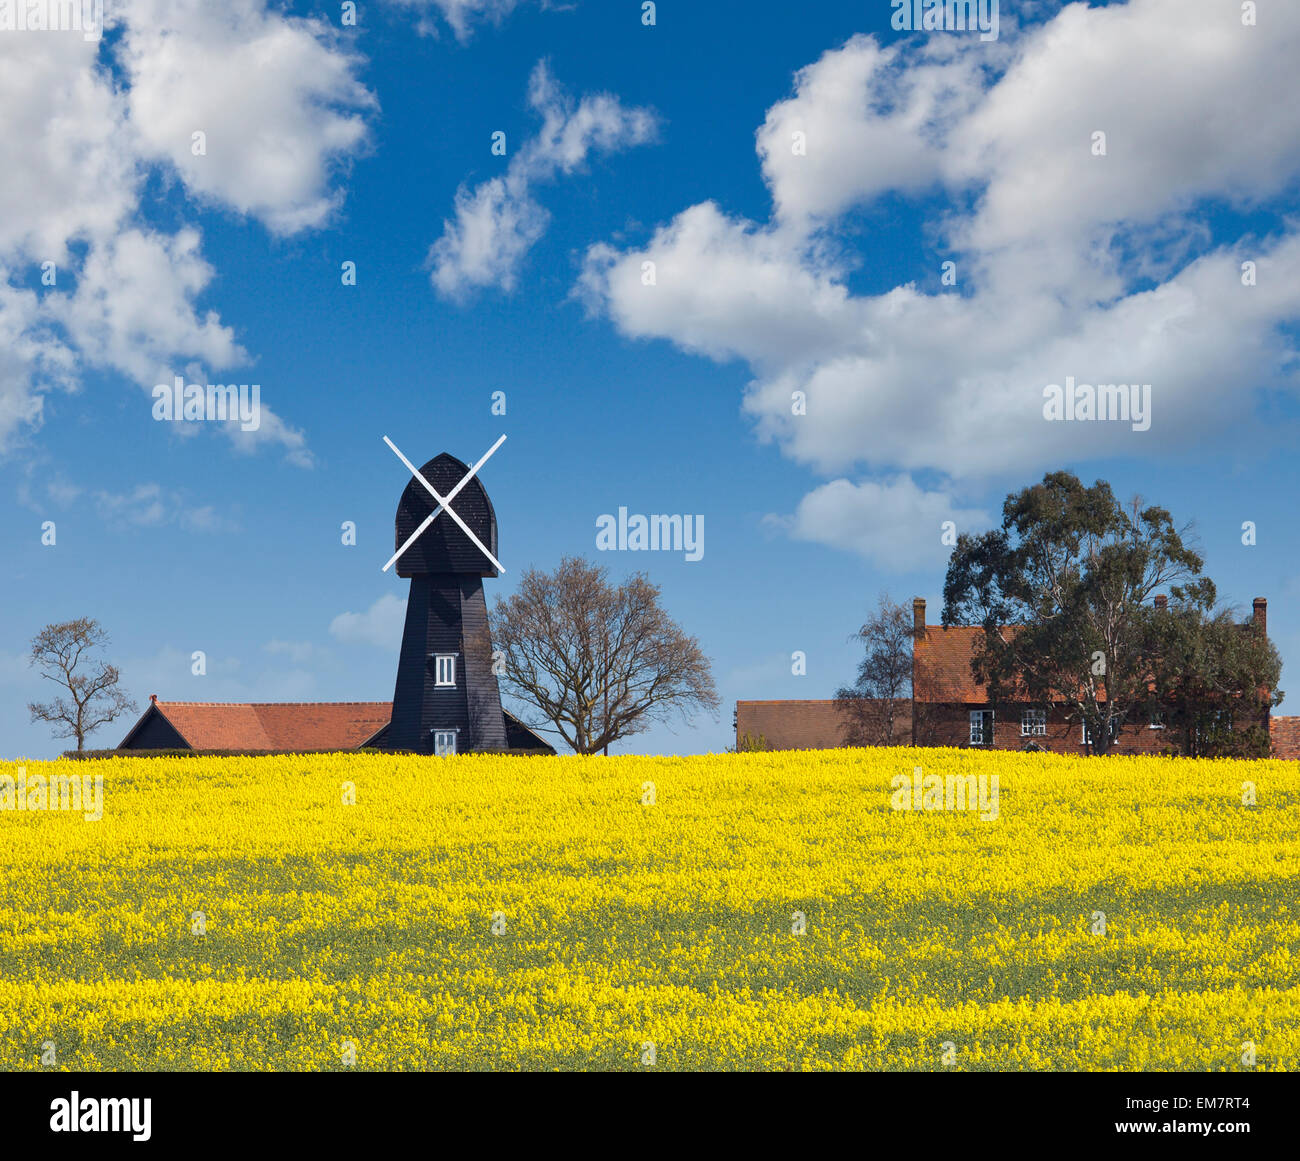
(288,725)
(811,725)
(328,725)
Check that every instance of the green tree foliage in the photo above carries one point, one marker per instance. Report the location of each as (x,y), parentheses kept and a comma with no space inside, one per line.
(1063,590)
(1213,679)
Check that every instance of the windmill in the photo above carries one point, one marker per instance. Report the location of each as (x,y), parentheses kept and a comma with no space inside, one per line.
(446,700)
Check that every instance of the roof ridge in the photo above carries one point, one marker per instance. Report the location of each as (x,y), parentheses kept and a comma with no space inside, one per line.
(160,701)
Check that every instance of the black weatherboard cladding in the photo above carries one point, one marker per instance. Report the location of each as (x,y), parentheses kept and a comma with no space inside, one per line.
(444,547)
(155,732)
(446,613)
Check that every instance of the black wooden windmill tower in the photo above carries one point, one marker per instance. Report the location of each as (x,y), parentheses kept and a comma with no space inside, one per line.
(446,700)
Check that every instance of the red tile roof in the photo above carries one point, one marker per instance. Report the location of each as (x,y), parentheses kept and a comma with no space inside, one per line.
(808,725)
(317,725)
(942,670)
(942,664)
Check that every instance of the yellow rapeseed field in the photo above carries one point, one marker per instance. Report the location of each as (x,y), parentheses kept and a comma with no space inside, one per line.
(750,911)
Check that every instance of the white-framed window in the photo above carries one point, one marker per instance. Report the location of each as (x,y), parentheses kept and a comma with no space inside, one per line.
(444,742)
(1033,723)
(1157,720)
(981,727)
(444,669)
(1086,735)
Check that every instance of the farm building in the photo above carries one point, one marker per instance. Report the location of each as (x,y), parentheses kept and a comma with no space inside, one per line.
(948,707)
(267,726)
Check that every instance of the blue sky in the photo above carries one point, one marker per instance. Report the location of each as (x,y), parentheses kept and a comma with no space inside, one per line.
(777,271)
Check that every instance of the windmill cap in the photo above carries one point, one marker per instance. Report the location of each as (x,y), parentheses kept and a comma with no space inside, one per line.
(444,547)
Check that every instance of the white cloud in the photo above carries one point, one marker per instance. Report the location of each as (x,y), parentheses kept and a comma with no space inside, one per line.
(894,523)
(497,222)
(275,96)
(495,226)
(725,288)
(142,505)
(380,625)
(271,430)
(150,505)
(33,360)
(460,15)
(133,307)
(864,119)
(82,141)
(909,379)
(69,168)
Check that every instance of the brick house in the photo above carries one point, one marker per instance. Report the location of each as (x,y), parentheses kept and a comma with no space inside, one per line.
(950,708)
(953,709)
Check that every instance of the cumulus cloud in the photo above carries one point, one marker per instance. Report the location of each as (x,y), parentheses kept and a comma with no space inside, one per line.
(91,121)
(864,119)
(380,625)
(275,97)
(69,168)
(33,360)
(1069,264)
(134,306)
(894,523)
(496,223)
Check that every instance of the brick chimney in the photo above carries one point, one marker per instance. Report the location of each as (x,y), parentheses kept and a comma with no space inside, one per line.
(1261,614)
(918,616)
(153,699)
(1162,602)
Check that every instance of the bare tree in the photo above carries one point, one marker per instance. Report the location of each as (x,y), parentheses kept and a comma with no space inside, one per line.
(871,704)
(596,661)
(94,699)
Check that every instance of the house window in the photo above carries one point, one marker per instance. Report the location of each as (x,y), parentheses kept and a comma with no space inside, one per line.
(1157,720)
(444,742)
(444,669)
(981,727)
(1220,722)
(1086,734)
(1033,723)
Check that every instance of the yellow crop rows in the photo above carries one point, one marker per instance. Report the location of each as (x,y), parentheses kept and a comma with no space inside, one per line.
(768,911)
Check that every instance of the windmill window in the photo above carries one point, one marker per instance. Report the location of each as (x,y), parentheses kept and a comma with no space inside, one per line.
(444,669)
(444,742)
